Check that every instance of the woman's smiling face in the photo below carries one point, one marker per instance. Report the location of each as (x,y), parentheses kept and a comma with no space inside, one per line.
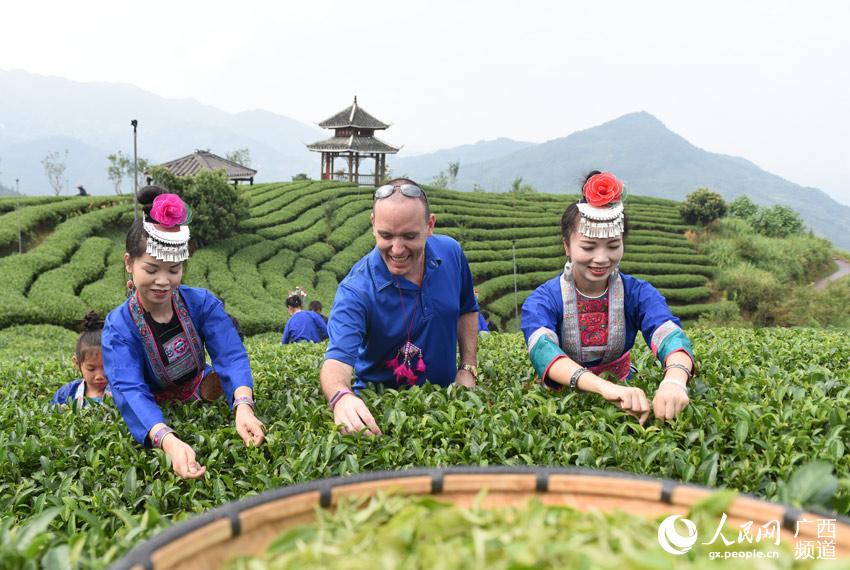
(593,260)
(154,279)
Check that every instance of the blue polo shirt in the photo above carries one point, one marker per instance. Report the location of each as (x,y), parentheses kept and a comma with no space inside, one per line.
(373,309)
(304,325)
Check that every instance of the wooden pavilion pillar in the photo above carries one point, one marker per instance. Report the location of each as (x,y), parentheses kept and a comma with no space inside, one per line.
(350,168)
(357,168)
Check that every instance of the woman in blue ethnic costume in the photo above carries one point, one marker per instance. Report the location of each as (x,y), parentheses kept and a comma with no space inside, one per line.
(153,344)
(584,322)
(306,326)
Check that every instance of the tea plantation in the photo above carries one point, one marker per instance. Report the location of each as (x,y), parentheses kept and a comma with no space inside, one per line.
(310,234)
(75,491)
(75,486)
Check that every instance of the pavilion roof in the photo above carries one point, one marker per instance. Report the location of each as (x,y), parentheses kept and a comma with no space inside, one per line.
(353,143)
(353,116)
(199,160)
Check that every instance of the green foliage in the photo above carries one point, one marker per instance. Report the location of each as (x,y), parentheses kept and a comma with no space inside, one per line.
(777,221)
(121,167)
(742,207)
(325,227)
(755,290)
(300,176)
(702,207)
(240,156)
(765,403)
(218,208)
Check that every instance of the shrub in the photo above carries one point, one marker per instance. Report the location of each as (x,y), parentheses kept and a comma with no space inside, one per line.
(218,208)
(751,288)
(702,207)
(742,207)
(777,221)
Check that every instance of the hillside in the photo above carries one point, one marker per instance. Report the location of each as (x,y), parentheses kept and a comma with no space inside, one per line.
(93,121)
(652,161)
(309,234)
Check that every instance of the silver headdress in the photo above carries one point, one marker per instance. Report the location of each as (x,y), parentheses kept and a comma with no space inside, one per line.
(601,222)
(165,245)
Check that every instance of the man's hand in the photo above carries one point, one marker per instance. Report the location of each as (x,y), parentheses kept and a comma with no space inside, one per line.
(465,378)
(352,415)
(669,400)
(182,458)
(629,399)
(249,428)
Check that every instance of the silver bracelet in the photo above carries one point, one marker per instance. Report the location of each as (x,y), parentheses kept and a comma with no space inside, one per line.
(671,381)
(687,370)
(576,375)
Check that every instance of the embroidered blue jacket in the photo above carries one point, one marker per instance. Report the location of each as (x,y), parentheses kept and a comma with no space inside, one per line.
(305,325)
(645,309)
(131,376)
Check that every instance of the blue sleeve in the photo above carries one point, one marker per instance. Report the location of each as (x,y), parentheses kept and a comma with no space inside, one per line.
(346,325)
(541,311)
(287,332)
(482,324)
(229,357)
(468,302)
(123,363)
(65,392)
(661,330)
(323,328)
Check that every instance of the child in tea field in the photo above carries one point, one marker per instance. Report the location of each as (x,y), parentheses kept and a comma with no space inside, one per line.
(302,325)
(154,343)
(88,359)
(584,322)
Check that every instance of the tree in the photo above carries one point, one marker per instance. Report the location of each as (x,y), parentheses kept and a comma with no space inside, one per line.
(478,188)
(453,169)
(702,207)
(440,180)
(518,188)
(121,167)
(300,176)
(240,156)
(742,207)
(777,221)
(217,207)
(54,167)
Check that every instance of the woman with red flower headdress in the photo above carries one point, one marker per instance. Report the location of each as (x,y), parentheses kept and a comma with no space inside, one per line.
(154,343)
(584,322)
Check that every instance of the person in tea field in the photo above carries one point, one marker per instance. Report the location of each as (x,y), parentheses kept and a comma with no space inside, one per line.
(403,311)
(302,325)
(584,322)
(483,327)
(316,307)
(88,358)
(154,343)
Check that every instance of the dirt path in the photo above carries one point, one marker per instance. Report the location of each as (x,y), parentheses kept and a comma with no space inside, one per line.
(843,270)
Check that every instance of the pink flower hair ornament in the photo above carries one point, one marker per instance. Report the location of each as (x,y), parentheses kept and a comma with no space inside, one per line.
(169,211)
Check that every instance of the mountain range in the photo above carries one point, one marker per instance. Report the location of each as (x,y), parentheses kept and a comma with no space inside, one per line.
(40,114)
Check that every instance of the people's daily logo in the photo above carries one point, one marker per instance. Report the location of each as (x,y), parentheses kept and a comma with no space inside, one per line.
(673,541)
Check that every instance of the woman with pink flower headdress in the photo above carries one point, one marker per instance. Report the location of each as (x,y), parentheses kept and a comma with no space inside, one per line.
(584,322)
(154,343)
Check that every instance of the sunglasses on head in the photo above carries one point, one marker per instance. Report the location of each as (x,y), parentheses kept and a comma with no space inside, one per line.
(408,189)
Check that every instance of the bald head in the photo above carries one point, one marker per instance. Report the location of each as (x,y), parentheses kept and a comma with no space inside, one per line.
(403,199)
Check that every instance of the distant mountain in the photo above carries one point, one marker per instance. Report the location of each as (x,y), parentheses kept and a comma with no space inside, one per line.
(39,114)
(652,161)
(425,166)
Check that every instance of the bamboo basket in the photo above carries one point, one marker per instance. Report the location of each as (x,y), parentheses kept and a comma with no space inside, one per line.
(244,527)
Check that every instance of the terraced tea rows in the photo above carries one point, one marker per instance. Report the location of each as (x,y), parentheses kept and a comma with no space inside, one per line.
(309,234)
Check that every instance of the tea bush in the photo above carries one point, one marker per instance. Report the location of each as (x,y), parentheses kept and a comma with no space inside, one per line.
(765,402)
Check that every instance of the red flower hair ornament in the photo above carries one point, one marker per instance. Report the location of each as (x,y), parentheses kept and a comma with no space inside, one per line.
(601,211)
(169,210)
(602,189)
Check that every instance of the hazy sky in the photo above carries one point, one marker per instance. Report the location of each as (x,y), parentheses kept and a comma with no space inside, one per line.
(766,80)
